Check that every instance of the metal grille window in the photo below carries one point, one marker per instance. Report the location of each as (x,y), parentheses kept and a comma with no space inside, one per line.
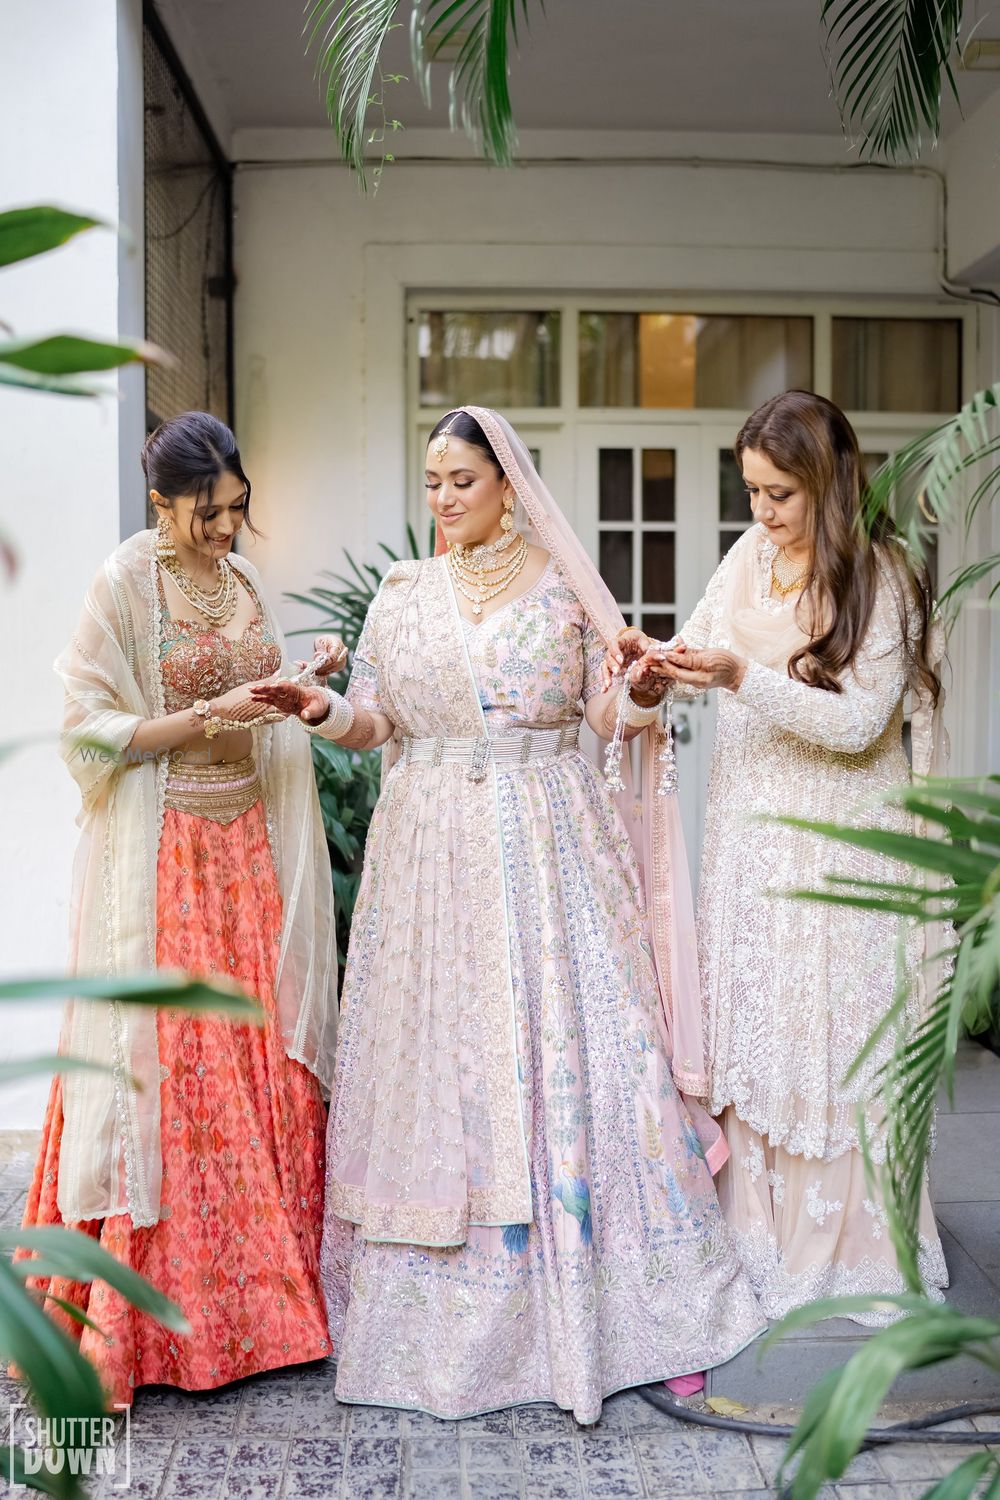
(188,241)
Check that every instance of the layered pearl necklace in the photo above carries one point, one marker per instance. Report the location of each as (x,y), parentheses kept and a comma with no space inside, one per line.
(218,605)
(787,576)
(481,573)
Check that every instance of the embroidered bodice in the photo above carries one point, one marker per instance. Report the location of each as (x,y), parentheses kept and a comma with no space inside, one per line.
(199,661)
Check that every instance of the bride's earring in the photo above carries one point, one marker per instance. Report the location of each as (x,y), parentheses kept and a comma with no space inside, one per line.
(507,519)
(164,538)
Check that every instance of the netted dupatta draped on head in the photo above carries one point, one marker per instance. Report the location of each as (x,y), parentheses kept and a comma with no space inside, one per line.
(653,821)
(110,1159)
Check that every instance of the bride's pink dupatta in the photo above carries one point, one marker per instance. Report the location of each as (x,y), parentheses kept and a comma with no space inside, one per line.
(653,823)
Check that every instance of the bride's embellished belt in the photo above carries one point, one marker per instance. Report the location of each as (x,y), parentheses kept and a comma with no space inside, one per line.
(517,748)
(222,792)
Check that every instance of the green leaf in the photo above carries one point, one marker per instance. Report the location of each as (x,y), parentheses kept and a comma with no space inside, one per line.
(57,385)
(26,232)
(348,40)
(28,1067)
(79,1257)
(963,1482)
(63,354)
(164,987)
(887,58)
(60,1378)
(76,1313)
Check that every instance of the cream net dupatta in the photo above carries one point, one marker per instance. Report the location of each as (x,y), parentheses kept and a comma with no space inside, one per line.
(110,1159)
(653,821)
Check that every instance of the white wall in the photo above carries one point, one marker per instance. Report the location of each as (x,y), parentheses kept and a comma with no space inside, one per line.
(322,275)
(59,119)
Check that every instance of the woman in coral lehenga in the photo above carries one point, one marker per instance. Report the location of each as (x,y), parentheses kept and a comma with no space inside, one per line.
(814,633)
(200,1161)
(519,1207)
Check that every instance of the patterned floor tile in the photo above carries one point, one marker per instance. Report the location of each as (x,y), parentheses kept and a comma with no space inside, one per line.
(433,1484)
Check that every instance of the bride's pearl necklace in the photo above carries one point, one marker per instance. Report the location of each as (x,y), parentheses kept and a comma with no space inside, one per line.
(481,573)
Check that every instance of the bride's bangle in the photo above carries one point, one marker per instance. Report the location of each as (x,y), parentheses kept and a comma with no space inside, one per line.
(337,720)
(638,717)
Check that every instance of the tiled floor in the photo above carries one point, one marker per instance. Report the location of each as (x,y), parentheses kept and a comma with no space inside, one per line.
(285,1437)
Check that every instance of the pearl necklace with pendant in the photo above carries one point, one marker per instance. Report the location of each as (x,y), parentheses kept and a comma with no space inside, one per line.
(481,573)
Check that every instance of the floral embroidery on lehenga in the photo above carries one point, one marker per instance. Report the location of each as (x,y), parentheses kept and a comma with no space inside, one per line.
(625,1272)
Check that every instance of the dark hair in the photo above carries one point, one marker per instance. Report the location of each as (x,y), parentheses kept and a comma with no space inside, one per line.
(808,436)
(188,456)
(461,425)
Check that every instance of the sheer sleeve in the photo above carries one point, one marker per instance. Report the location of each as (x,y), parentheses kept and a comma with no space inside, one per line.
(103,703)
(853,719)
(363,687)
(594,652)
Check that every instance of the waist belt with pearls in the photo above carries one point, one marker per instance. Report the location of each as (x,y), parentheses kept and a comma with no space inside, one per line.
(508,752)
(221,792)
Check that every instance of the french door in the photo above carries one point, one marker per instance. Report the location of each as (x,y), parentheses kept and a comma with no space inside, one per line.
(659,504)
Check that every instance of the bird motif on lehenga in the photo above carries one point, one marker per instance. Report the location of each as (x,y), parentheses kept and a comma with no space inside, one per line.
(573,1191)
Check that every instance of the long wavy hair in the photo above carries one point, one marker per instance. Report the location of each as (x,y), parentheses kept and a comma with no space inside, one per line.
(807,436)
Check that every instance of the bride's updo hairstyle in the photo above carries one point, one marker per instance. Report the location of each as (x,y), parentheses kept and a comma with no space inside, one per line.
(188,456)
(461,425)
(808,436)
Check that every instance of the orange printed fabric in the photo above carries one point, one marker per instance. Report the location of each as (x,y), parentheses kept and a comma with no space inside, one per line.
(242,1126)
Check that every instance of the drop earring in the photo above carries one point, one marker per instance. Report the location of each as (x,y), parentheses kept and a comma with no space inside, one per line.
(164,538)
(507,519)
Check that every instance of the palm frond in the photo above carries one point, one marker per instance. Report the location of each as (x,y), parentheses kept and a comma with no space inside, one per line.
(478,93)
(887,62)
(348,40)
(843,1405)
(924,485)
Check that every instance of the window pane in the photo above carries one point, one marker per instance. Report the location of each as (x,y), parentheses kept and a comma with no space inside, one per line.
(660,625)
(658,480)
(658,579)
(608,343)
(616,562)
(614,484)
(734,502)
(897,364)
(686,360)
(489,358)
(728,539)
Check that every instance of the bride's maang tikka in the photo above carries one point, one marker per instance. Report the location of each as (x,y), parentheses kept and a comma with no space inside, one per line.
(441,441)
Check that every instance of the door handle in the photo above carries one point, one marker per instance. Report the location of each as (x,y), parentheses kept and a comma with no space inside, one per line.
(682,729)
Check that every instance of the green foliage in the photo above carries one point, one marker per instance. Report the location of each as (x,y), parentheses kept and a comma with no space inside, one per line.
(955,879)
(56,363)
(348,780)
(924,483)
(27,232)
(844,1403)
(348,40)
(887,60)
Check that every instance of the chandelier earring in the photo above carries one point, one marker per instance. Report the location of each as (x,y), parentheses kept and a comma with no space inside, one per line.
(164,538)
(507,519)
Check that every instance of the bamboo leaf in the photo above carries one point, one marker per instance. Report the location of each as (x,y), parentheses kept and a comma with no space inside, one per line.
(26,232)
(164,987)
(62,354)
(28,1067)
(79,1257)
(59,1377)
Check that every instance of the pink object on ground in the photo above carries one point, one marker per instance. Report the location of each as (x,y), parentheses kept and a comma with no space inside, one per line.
(686,1385)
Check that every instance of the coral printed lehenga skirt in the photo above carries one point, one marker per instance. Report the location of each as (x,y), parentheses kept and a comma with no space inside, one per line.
(242,1125)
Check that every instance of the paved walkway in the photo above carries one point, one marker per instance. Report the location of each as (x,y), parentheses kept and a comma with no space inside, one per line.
(285,1437)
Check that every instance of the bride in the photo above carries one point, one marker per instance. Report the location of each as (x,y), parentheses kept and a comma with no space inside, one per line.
(519,1186)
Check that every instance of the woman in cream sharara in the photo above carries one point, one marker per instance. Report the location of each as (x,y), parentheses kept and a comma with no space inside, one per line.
(814,631)
(519,1205)
(197,1159)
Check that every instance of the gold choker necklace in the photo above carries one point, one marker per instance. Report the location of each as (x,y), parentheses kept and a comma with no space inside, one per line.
(481,573)
(787,576)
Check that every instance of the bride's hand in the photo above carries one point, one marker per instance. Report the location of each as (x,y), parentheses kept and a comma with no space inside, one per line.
(289,698)
(629,644)
(703,669)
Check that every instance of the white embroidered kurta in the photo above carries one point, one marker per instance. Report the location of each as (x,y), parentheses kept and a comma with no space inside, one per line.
(792,990)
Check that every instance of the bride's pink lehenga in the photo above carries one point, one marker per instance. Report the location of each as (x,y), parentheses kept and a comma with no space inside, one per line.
(518,1203)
